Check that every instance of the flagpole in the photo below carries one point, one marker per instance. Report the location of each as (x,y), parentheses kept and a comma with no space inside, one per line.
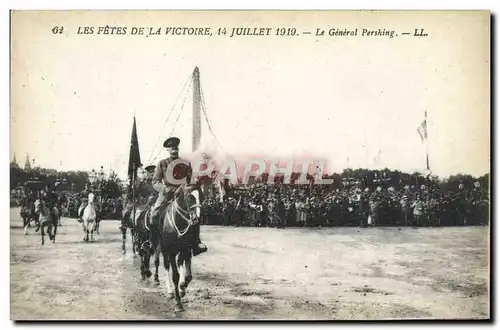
(427,142)
(133,194)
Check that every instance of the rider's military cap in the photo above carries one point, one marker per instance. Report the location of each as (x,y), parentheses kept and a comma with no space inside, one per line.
(171,142)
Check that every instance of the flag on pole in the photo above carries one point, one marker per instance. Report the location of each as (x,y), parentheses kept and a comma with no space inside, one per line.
(422,128)
(422,131)
(134,160)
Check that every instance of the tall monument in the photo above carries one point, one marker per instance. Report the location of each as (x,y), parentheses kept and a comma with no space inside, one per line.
(196,109)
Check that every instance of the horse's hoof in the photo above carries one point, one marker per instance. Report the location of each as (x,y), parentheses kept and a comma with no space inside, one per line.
(123,251)
(179,308)
(148,273)
(182,293)
(156,281)
(170,295)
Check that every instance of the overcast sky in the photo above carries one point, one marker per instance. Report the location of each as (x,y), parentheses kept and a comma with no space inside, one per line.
(74,96)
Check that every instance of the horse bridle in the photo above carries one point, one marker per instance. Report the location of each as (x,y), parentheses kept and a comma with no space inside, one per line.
(185,215)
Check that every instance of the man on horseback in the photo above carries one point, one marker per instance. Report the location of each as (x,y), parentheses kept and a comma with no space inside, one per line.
(166,190)
(50,199)
(146,189)
(83,201)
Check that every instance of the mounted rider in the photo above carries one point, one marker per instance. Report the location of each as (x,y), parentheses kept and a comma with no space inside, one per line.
(83,196)
(146,190)
(29,200)
(166,190)
(51,200)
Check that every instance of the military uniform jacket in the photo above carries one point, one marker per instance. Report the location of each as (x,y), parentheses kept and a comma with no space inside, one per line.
(146,189)
(161,182)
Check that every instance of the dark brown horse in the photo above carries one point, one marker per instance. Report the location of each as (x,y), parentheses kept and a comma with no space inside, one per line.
(172,237)
(142,237)
(128,222)
(47,219)
(28,214)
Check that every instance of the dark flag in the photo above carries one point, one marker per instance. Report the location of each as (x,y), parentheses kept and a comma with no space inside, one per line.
(422,131)
(134,160)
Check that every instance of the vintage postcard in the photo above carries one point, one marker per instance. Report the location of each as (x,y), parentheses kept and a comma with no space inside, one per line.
(250,165)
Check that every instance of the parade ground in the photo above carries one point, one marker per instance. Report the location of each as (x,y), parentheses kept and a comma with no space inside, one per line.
(257,273)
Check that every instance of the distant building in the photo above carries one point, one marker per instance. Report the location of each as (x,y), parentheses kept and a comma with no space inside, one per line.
(27,165)
(14,163)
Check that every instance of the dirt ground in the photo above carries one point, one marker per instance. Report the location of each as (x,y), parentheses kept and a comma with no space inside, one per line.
(258,273)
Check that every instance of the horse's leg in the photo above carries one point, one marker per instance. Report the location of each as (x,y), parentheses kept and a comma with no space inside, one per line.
(143,265)
(181,266)
(86,230)
(175,279)
(186,275)
(25,225)
(189,274)
(43,234)
(145,272)
(55,233)
(170,283)
(157,265)
(49,231)
(134,240)
(124,236)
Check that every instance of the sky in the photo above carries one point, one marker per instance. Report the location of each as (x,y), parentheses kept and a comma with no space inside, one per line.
(74,97)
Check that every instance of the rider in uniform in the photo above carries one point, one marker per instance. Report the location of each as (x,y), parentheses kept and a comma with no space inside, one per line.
(166,190)
(51,199)
(146,190)
(84,195)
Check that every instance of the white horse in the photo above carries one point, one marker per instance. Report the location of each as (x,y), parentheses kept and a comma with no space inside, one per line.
(89,219)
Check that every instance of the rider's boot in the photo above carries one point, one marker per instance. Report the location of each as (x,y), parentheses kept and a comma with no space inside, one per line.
(196,244)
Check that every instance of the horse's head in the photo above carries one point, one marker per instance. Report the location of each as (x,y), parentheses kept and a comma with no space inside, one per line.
(38,206)
(91,198)
(192,200)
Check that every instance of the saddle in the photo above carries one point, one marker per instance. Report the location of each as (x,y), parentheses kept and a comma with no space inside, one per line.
(162,210)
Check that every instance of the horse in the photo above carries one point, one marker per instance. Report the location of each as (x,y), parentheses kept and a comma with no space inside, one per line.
(27,214)
(142,236)
(89,218)
(172,237)
(128,222)
(46,219)
(99,213)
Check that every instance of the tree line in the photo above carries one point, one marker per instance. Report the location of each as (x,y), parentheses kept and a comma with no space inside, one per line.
(67,181)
